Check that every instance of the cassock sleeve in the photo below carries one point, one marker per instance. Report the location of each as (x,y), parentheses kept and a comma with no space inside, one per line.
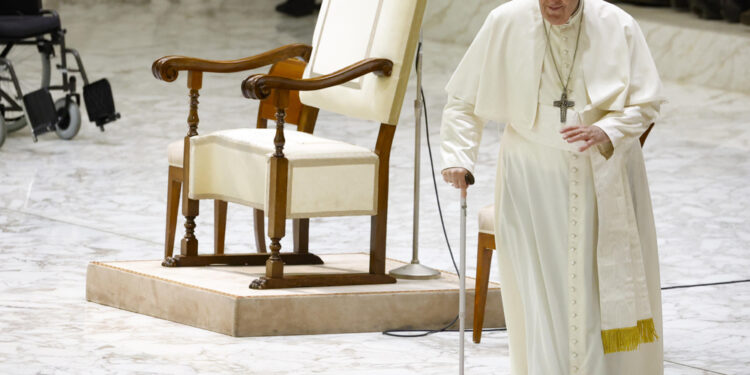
(644,95)
(631,122)
(461,129)
(460,134)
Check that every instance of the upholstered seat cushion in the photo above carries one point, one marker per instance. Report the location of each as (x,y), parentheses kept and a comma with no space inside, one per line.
(487,220)
(326,177)
(175,153)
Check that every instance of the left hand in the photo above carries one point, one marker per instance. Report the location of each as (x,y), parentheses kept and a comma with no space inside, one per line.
(592,135)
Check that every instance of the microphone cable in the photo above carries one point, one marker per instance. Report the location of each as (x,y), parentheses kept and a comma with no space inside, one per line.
(426,332)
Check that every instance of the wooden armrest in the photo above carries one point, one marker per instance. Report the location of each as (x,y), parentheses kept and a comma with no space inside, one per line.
(259,86)
(167,67)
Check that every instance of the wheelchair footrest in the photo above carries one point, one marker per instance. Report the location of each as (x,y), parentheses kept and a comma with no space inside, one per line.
(100,105)
(41,112)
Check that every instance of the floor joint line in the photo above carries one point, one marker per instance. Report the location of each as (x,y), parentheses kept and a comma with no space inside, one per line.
(79,225)
(695,367)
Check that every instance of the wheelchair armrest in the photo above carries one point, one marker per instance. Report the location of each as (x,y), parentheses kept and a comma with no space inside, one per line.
(259,86)
(167,67)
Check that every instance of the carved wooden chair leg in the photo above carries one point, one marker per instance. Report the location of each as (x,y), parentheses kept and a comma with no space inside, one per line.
(301,233)
(377,243)
(220,225)
(260,231)
(484,260)
(279,167)
(174,186)
(190,207)
(379,222)
(276,220)
(189,243)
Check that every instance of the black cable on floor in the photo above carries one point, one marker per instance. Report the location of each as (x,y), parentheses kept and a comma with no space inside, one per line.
(707,284)
(426,332)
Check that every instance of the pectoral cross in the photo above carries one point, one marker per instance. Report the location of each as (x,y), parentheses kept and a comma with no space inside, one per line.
(564,104)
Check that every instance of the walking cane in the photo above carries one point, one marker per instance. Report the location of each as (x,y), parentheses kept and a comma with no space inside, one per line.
(462,280)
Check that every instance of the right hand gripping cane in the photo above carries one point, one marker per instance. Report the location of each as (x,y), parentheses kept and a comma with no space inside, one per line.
(462,280)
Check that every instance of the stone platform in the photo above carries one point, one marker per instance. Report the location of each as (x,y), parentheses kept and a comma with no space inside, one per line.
(217,298)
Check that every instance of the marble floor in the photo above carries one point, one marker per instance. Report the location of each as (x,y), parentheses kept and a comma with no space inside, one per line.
(102,197)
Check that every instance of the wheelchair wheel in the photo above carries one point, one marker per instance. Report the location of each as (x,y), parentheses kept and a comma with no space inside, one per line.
(32,69)
(3,131)
(70,119)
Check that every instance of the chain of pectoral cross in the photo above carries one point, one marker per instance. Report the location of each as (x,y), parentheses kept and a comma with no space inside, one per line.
(564,103)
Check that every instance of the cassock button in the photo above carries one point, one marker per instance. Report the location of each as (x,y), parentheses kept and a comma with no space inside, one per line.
(572,276)
(573,302)
(575,368)
(575,209)
(572,249)
(573,262)
(574,169)
(575,315)
(575,355)
(575,328)
(575,195)
(575,341)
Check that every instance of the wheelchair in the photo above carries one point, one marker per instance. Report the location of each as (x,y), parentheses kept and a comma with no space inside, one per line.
(29,36)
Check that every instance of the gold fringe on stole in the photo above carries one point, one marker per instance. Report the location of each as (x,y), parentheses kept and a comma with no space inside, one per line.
(627,339)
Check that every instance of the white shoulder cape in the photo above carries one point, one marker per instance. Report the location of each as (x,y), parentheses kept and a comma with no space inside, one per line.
(501,71)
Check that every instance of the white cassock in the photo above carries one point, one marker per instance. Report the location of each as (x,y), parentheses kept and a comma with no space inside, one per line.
(558,211)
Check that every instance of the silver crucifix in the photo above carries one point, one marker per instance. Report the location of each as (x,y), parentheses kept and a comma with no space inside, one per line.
(564,104)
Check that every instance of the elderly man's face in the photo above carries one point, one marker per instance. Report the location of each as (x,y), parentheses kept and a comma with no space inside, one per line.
(557,12)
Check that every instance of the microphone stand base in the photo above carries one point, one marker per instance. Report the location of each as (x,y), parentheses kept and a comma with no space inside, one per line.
(415,271)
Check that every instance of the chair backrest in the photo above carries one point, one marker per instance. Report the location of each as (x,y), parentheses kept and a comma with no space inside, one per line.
(20,7)
(348,31)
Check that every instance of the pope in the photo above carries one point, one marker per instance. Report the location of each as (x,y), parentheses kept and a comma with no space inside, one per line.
(575,85)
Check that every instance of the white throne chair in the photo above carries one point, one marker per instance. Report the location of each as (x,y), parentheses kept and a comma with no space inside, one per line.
(359,65)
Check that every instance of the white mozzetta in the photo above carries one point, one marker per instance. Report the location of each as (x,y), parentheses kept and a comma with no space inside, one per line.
(326,177)
(394,35)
